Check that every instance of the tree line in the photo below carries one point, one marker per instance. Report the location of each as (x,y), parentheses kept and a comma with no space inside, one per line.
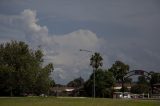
(105,79)
(22,72)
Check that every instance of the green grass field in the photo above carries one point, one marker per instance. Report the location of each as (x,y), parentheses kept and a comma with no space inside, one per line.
(52,101)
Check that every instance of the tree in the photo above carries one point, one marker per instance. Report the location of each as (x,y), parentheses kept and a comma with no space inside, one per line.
(142,80)
(139,89)
(142,86)
(95,62)
(21,69)
(78,82)
(119,70)
(124,89)
(104,82)
(128,80)
(43,80)
(155,78)
(52,83)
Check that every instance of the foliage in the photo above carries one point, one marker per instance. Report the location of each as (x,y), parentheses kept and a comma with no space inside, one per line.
(21,70)
(96,61)
(155,78)
(139,89)
(52,83)
(78,82)
(128,80)
(119,70)
(103,80)
(142,80)
(124,89)
(142,86)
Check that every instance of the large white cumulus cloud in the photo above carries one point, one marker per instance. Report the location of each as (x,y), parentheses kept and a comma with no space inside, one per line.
(61,50)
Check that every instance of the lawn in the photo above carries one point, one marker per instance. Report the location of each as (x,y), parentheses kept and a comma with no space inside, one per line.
(52,101)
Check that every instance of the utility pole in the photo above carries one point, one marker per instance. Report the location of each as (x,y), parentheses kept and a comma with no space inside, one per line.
(94,89)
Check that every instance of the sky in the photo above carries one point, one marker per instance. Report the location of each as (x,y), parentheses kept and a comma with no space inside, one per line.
(125,30)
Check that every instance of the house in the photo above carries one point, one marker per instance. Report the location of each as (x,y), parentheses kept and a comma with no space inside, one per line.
(156,91)
(118,86)
(156,88)
(62,91)
(122,95)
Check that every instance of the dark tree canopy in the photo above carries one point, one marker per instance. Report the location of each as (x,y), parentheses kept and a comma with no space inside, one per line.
(96,61)
(22,71)
(142,80)
(119,70)
(142,86)
(78,82)
(139,88)
(155,78)
(104,82)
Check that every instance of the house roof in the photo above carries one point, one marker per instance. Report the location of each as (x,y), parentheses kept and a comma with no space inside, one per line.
(60,89)
(120,85)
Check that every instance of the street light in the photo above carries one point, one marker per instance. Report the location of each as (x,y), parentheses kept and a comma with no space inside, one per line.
(85,50)
(94,89)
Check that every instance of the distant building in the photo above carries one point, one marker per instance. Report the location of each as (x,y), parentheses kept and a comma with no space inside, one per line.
(117,94)
(156,90)
(118,86)
(122,95)
(62,91)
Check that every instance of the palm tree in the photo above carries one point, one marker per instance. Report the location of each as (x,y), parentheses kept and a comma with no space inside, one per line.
(95,62)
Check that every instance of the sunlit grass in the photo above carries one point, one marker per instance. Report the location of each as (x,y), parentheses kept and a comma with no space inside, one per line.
(52,101)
